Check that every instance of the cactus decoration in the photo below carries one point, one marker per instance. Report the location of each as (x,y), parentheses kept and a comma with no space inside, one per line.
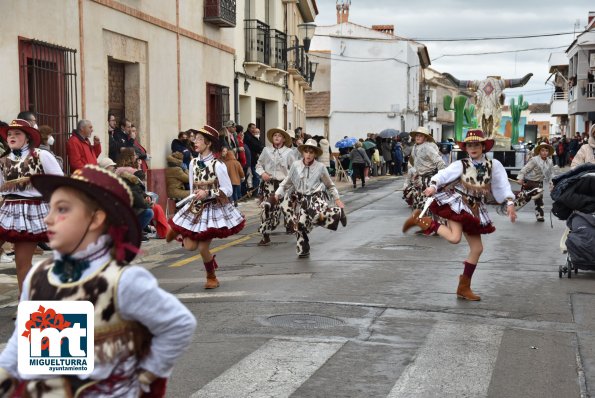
(515,112)
(464,116)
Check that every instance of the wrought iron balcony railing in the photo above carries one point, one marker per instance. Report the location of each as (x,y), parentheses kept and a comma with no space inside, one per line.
(258,41)
(279,49)
(221,13)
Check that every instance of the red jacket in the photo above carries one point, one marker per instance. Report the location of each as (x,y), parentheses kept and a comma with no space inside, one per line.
(81,152)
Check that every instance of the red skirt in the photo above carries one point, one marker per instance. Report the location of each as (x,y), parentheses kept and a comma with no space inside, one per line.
(471,224)
(209,233)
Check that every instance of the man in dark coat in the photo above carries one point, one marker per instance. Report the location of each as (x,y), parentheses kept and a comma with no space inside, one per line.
(252,141)
(121,139)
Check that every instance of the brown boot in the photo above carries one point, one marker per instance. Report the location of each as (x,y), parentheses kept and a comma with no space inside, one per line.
(171,235)
(212,281)
(424,223)
(265,241)
(464,289)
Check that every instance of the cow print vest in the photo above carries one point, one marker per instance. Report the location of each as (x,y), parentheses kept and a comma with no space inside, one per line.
(115,338)
(17,172)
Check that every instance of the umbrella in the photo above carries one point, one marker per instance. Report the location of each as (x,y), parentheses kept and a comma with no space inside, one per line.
(404,135)
(388,133)
(346,143)
(368,144)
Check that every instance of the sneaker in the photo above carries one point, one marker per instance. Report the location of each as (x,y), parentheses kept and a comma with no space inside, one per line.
(145,238)
(265,241)
(304,255)
(540,219)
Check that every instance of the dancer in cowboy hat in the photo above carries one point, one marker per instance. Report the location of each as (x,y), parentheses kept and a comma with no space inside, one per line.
(23,209)
(272,167)
(311,182)
(139,329)
(536,174)
(210,214)
(459,193)
(425,160)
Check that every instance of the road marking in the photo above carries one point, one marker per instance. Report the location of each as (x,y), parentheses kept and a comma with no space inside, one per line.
(214,250)
(236,278)
(457,360)
(276,369)
(212,295)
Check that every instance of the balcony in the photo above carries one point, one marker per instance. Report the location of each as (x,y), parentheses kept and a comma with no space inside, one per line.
(590,91)
(559,103)
(297,61)
(221,13)
(278,59)
(258,47)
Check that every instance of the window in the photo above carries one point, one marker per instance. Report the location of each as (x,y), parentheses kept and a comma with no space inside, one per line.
(217,105)
(47,80)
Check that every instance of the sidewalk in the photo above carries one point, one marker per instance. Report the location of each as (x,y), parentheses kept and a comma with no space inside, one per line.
(249,207)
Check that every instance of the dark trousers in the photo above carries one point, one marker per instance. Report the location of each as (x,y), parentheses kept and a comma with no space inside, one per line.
(358,171)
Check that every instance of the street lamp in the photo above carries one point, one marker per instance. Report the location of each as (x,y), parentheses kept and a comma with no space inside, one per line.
(306,32)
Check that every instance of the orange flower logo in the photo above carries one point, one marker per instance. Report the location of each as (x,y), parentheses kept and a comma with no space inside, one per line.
(43,319)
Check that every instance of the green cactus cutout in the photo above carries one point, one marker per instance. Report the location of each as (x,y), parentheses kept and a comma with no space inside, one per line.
(515,112)
(464,116)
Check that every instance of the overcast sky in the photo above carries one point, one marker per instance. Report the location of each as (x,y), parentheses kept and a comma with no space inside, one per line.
(429,19)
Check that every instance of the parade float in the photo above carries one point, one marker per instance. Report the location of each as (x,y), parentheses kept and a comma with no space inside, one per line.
(486,114)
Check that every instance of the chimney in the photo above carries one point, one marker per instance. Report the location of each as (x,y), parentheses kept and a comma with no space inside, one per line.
(591,17)
(389,29)
(343,11)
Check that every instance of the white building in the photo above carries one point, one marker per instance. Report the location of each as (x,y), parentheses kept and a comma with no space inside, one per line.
(372,79)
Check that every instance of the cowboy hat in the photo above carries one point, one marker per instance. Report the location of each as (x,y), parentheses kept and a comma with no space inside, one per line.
(25,127)
(422,130)
(543,144)
(476,135)
(212,135)
(108,190)
(284,133)
(310,143)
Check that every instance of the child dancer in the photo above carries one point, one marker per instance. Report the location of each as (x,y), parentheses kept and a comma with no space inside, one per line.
(311,181)
(23,209)
(272,167)
(535,174)
(210,214)
(140,330)
(464,188)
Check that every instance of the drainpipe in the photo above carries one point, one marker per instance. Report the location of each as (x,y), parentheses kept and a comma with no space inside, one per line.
(236,93)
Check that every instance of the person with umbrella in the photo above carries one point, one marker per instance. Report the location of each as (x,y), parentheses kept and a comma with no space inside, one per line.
(426,160)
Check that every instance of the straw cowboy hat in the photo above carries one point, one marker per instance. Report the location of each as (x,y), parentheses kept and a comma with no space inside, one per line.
(284,133)
(476,135)
(422,130)
(543,144)
(310,143)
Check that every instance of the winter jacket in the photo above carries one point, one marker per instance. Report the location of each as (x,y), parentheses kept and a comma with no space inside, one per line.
(81,152)
(234,169)
(241,154)
(574,190)
(136,186)
(176,179)
(398,152)
(586,153)
(182,147)
(255,146)
(359,156)
(386,151)
(141,153)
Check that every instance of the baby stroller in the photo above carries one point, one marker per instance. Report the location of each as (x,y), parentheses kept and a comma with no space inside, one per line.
(574,201)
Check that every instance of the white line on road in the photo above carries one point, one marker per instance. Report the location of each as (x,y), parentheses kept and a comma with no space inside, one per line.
(236,278)
(182,296)
(276,369)
(457,360)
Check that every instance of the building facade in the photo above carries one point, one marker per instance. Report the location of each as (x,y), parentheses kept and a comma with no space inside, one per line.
(372,78)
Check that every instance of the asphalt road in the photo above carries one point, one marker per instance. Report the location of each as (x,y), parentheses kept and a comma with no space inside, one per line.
(373,313)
